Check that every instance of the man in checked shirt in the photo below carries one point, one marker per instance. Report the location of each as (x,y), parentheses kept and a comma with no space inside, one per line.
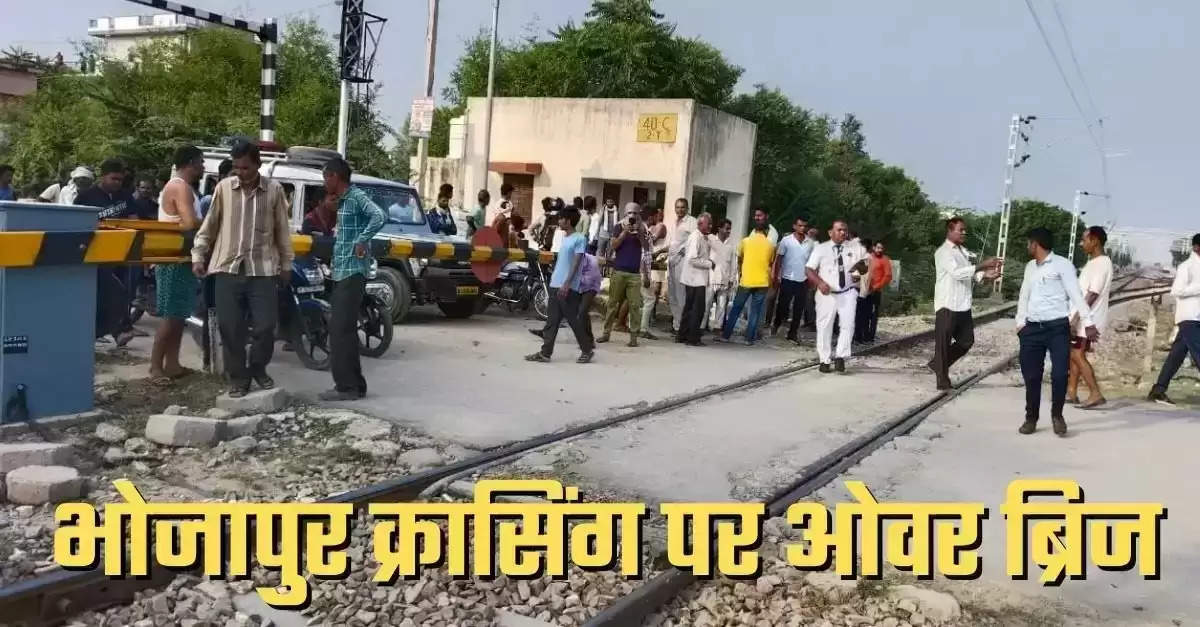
(247,233)
(358,220)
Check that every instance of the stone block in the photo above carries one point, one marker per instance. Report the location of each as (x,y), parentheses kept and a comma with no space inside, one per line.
(246,425)
(184,430)
(16,455)
(35,485)
(420,458)
(257,402)
(111,433)
(218,414)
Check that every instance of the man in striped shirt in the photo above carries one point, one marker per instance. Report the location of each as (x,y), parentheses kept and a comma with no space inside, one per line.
(247,241)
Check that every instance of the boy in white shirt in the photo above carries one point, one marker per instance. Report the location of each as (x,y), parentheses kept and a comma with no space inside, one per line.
(1095,281)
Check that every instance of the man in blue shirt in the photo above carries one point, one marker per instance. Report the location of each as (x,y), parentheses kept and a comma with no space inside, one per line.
(789,275)
(358,220)
(1049,292)
(564,293)
(112,200)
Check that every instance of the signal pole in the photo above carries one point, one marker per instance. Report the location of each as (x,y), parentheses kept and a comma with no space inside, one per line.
(1075,215)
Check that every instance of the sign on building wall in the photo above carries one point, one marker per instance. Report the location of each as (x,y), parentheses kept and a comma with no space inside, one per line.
(421,122)
(657,127)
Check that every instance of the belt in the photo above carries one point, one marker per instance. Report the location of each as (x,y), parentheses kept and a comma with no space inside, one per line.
(831,292)
(1046,323)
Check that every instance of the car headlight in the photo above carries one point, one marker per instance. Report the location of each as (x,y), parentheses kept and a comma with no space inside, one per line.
(314,276)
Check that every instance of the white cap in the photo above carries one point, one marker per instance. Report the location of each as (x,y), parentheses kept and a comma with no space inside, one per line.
(82,173)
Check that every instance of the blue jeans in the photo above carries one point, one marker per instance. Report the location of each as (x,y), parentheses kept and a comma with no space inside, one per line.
(1187,341)
(1038,338)
(757,296)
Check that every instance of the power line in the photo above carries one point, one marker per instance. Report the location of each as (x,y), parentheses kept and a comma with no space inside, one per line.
(1087,91)
(1071,90)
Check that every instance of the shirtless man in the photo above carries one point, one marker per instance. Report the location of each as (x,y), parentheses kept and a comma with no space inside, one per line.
(176,283)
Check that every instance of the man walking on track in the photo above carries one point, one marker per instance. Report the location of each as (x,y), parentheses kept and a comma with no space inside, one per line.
(248,233)
(697,265)
(1095,280)
(358,220)
(1186,291)
(564,291)
(630,274)
(955,275)
(1048,293)
(790,275)
(829,270)
(685,225)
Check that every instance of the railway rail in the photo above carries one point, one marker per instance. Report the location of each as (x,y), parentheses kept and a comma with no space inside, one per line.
(56,596)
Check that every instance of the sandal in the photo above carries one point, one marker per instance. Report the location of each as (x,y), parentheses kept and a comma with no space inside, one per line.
(538,357)
(1094,404)
(161,381)
(585,358)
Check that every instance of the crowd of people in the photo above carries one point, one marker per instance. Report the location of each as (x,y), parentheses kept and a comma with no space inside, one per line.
(708,279)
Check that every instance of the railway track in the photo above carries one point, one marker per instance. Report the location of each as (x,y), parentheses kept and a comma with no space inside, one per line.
(56,596)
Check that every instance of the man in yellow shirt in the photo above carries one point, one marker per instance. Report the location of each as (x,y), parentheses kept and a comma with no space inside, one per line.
(755,254)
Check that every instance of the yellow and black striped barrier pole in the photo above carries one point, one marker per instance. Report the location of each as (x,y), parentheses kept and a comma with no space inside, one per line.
(148,241)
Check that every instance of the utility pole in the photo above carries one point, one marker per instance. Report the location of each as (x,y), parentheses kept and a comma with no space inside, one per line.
(491,89)
(1010,168)
(1074,228)
(430,57)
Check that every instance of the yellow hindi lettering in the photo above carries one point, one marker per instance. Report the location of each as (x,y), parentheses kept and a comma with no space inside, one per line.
(1054,534)
(735,529)
(520,539)
(186,535)
(910,536)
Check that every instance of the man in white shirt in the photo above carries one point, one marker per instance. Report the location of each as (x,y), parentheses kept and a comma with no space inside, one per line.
(602,227)
(790,275)
(1095,281)
(828,270)
(697,264)
(1186,291)
(685,225)
(955,275)
(1049,292)
(723,276)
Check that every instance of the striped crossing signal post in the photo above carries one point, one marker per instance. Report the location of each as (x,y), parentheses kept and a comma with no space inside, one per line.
(267,33)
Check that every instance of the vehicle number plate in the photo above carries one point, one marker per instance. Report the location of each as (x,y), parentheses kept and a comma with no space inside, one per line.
(468,290)
(310,289)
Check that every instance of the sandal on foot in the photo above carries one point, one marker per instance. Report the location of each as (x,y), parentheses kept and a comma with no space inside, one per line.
(161,381)
(1094,404)
(538,357)
(183,372)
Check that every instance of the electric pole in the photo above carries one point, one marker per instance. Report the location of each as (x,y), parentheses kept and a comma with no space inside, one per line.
(356,53)
(1075,215)
(1015,133)
(430,57)
(491,88)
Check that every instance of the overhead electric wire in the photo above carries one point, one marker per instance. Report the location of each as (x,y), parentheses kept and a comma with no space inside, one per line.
(1087,91)
(1071,91)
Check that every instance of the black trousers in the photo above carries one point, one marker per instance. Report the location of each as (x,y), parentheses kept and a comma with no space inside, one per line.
(1038,338)
(693,314)
(792,295)
(810,309)
(953,336)
(346,302)
(585,315)
(245,303)
(561,309)
(1186,341)
(866,320)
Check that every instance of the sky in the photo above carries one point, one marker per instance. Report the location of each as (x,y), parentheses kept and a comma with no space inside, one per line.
(935,82)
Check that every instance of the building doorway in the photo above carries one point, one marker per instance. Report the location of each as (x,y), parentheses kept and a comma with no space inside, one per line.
(522,196)
(612,191)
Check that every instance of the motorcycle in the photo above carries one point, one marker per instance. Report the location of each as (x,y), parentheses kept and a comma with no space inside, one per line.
(304,315)
(519,287)
(374,316)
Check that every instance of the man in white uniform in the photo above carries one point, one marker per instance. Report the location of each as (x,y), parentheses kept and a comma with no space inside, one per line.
(828,272)
(953,327)
(685,225)
(1095,281)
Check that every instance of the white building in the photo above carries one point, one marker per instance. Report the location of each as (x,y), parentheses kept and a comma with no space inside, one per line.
(642,150)
(120,35)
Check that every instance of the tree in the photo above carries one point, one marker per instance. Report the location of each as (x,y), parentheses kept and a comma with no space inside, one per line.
(197,90)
